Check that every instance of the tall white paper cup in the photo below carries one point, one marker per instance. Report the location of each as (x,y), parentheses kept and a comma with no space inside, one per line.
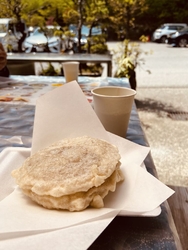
(113,107)
(71,71)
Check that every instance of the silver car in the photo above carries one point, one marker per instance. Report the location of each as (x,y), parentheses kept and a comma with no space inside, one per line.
(9,35)
(161,34)
(42,40)
(84,35)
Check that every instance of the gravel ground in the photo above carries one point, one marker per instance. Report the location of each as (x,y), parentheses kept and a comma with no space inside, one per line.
(164,116)
(162,102)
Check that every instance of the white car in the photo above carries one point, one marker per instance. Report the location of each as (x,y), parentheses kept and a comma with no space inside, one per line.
(37,41)
(161,34)
(9,36)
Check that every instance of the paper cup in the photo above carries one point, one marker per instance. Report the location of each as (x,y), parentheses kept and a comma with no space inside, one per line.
(113,107)
(71,71)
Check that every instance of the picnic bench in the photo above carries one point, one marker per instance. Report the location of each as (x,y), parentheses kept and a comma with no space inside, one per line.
(31,58)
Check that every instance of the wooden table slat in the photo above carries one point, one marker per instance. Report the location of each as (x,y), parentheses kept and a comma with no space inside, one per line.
(179,207)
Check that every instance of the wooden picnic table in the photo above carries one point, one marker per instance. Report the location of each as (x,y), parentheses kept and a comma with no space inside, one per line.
(56,57)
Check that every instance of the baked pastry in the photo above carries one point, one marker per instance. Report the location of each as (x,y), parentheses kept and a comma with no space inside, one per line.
(71,174)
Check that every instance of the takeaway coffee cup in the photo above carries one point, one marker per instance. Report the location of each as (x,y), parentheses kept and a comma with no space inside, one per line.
(71,70)
(113,107)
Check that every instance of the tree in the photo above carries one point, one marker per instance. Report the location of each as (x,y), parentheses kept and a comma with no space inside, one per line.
(85,12)
(122,15)
(14,9)
(96,13)
(158,12)
(37,12)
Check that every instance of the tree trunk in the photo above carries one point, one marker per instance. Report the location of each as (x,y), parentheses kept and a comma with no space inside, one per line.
(89,39)
(80,3)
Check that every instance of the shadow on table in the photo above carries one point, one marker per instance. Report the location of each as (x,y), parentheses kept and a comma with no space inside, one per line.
(161,109)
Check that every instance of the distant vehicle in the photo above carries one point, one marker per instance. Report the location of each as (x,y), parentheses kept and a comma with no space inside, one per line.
(161,34)
(42,40)
(10,35)
(4,27)
(84,35)
(179,38)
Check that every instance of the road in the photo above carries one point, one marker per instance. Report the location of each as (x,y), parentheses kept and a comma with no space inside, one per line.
(168,65)
(163,109)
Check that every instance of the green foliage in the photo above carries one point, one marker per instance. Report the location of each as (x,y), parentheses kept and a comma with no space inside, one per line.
(12,8)
(37,21)
(123,13)
(128,57)
(95,11)
(128,18)
(99,48)
(94,69)
(58,33)
(49,71)
(144,38)
(158,12)
(97,44)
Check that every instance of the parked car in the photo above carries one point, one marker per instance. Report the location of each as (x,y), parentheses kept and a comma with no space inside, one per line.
(42,40)
(84,35)
(179,38)
(12,34)
(161,34)
(4,27)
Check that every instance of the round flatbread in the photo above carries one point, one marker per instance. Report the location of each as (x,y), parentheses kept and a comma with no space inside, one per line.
(81,200)
(68,167)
